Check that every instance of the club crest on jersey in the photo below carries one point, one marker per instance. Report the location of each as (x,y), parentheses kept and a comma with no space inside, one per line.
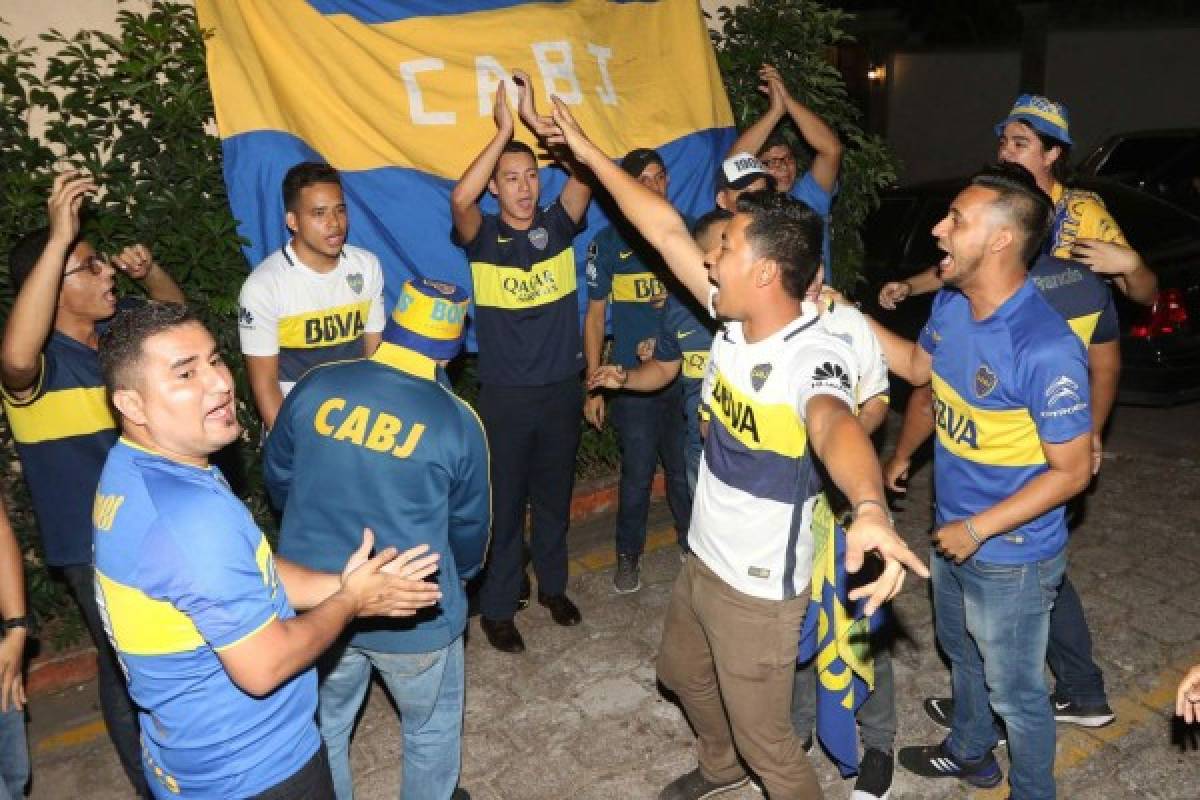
(985,381)
(832,376)
(759,375)
(355,279)
(539,238)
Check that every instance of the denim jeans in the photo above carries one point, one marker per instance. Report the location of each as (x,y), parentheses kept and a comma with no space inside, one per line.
(649,427)
(14,755)
(427,689)
(876,716)
(993,622)
(1070,651)
(120,715)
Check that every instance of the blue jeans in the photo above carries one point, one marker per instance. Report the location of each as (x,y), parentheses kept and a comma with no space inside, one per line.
(14,755)
(649,427)
(1070,651)
(993,622)
(428,690)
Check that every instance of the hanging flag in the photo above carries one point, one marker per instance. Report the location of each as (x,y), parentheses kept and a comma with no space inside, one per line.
(397,94)
(838,635)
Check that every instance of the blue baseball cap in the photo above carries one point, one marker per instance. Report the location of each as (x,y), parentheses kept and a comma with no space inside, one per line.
(1042,114)
(428,318)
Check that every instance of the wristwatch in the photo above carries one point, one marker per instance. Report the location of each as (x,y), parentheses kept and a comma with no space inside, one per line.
(18,622)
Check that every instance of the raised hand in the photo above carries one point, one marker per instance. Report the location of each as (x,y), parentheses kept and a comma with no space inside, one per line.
(501,113)
(135,261)
(567,132)
(66,198)
(773,87)
(893,293)
(540,124)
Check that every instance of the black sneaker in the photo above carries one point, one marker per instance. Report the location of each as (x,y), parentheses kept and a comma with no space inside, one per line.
(1090,715)
(694,786)
(627,578)
(941,711)
(935,761)
(874,776)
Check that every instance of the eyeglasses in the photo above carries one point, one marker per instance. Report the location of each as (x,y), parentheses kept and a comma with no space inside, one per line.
(94,264)
(779,163)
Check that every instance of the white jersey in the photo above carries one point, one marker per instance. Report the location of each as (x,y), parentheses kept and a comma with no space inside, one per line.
(751,522)
(307,317)
(848,324)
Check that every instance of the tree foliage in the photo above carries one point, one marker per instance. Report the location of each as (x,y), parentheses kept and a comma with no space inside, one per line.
(796,36)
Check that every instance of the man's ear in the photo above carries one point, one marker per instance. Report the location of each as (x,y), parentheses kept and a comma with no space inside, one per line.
(289,219)
(765,271)
(1002,238)
(129,403)
(721,201)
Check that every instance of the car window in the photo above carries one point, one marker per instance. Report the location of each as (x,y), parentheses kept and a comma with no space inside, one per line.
(1135,156)
(1149,224)
(1179,180)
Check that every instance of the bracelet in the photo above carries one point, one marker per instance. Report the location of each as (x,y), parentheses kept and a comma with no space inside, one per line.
(17,622)
(974,534)
(886,511)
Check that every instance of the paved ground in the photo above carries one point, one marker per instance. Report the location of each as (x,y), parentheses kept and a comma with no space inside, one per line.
(579,714)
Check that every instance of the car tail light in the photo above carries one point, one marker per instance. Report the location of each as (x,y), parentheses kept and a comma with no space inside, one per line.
(1168,315)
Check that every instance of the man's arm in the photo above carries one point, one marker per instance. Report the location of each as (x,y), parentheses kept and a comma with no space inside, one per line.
(649,376)
(464,199)
(656,219)
(270,656)
(593,343)
(842,445)
(371,343)
(872,413)
(32,316)
(923,282)
(263,372)
(12,605)
(905,358)
(576,194)
(307,588)
(1104,372)
(1069,471)
(137,262)
(1123,264)
(916,428)
(753,138)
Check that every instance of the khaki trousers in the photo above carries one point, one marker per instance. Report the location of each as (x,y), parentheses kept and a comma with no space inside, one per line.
(731,659)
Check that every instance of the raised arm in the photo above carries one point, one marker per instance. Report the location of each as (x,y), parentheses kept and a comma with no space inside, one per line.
(138,263)
(32,316)
(576,194)
(464,199)
(827,147)
(753,138)
(654,217)
(923,282)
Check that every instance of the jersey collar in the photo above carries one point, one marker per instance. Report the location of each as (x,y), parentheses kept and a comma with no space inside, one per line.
(132,445)
(406,360)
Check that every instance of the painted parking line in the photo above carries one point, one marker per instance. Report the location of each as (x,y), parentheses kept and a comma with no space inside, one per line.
(606,558)
(72,737)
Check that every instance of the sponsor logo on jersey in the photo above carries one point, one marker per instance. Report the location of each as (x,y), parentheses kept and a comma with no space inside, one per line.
(503,239)
(355,281)
(684,334)
(245,318)
(624,255)
(104,510)
(1062,398)
(759,375)
(527,290)
(985,381)
(539,238)
(831,376)
(333,327)
(739,415)
(955,424)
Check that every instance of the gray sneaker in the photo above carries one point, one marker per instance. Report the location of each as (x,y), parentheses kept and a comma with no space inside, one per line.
(628,577)
(694,786)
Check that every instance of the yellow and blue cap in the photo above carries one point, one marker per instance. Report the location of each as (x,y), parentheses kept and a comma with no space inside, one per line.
(428,318)
(1042,114)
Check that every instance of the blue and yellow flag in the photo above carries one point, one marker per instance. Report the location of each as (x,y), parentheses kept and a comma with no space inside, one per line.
(838,636)
(397,94)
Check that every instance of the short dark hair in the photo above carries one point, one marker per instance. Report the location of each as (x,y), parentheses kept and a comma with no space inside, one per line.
(776,140)
(514,146)
(303,175)
(1060,169)
(701,226)
(121,343)
(787,231)
(26,252)
(1018,193)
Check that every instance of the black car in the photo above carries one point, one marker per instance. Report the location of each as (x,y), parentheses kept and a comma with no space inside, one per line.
(1164,163)
(1160,347)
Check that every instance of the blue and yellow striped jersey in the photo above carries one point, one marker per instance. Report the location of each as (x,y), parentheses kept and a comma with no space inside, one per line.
(1001,387)
(63,433)
(526,305)
(631,276)
(183,572)
(1080,296)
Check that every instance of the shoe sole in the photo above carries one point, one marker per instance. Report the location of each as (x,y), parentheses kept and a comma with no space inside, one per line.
(859,794)
(729,787)
(1086,720)
(619,590)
